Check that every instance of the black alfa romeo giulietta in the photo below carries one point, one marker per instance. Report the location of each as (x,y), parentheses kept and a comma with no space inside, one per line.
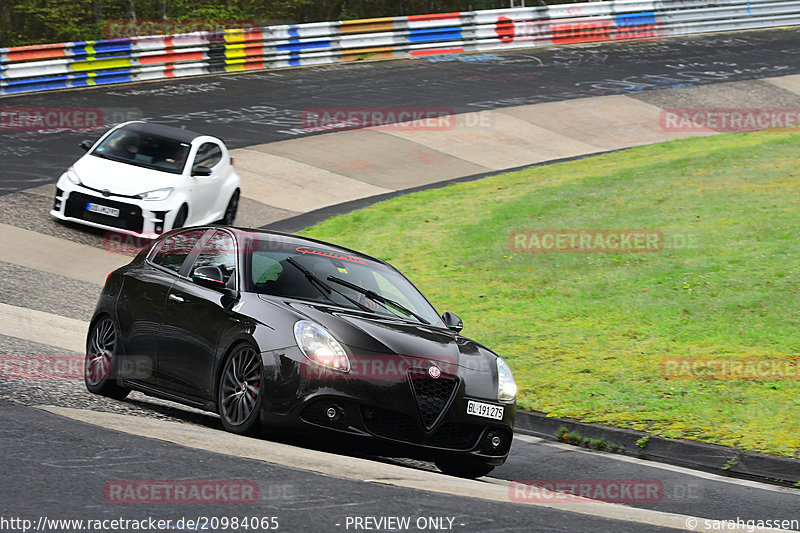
(286,332)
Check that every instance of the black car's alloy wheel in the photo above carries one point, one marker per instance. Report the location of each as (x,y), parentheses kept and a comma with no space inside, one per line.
(101,360)
(240,391)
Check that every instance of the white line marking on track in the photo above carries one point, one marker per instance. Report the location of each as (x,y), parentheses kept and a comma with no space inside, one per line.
(653,464)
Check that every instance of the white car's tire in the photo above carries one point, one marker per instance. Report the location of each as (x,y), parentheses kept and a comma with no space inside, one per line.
(230,212)
(180,218)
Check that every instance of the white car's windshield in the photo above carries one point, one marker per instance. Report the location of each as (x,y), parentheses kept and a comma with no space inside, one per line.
(144,150)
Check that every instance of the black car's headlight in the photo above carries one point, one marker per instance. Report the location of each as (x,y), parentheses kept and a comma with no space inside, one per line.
(506,386)
(320,346)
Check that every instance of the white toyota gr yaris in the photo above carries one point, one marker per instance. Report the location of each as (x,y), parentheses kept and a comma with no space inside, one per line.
(145,179)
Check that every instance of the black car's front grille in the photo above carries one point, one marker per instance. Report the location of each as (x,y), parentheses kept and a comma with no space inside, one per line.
(398,426)
(389,424)
(456,436)
(130,216)
(432,395)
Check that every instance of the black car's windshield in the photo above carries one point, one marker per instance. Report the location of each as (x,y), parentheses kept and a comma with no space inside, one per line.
(144,150)
(281,269)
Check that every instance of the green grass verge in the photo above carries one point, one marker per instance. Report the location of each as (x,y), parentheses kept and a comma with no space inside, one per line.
(585,332)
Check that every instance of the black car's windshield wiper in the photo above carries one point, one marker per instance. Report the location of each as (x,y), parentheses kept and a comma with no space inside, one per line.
(372,295)
(324,288)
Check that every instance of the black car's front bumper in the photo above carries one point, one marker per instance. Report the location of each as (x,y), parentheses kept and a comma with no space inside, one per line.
(410,414)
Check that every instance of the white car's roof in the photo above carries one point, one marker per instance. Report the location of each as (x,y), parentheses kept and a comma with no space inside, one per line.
(178,134)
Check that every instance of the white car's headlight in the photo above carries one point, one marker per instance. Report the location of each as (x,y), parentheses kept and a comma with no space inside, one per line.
(73,176)
(506,386)
(320,346)
(158,194)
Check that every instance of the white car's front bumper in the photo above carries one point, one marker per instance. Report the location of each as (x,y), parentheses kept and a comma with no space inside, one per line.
(136,216)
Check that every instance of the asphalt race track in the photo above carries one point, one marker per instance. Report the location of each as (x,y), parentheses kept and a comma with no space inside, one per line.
(58,464)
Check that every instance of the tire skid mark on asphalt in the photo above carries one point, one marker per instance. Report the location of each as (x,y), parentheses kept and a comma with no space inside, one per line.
(363,469)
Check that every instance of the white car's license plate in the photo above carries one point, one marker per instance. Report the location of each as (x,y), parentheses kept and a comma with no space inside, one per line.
(102,209)
(485,410)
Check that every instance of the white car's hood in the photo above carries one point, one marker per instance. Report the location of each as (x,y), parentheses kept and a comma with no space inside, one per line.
(121,178)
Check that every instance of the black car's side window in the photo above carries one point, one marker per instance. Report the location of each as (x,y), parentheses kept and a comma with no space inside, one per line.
(208,155)
(173,250)
(219,251)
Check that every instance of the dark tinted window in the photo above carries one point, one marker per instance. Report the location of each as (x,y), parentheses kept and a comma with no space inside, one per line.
(269,271)
(220,252)
(171,252)
(208,155)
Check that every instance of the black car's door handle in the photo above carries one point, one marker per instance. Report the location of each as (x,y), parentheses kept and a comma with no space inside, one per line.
(176,298)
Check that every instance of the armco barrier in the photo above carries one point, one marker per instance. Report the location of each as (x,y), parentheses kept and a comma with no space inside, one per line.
(79,64)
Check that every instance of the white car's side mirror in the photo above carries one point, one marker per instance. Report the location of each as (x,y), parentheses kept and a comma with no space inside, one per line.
(201,170)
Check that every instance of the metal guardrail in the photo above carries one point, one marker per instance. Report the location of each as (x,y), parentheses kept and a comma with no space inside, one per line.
(79,64)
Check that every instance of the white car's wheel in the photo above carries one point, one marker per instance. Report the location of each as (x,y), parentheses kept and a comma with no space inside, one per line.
(230,211)
(180,218)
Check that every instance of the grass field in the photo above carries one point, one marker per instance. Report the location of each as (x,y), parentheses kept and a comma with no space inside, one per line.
(587,333)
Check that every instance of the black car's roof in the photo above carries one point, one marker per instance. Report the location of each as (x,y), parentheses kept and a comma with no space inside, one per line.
(170,132)
(298,239)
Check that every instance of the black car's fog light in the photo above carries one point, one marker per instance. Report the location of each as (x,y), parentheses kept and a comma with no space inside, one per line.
(496,442)
(334,412)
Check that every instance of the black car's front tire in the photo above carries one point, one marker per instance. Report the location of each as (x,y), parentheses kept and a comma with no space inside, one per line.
(463,467)
(100,364)
(240,390)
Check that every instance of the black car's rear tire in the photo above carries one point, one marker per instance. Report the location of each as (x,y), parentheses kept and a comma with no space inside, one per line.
(100,364)
(240,390)
(463,467)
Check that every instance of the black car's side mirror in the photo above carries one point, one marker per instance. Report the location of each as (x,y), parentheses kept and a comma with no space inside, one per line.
(86,145)
(200,170)
(209,277)
(452,321)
